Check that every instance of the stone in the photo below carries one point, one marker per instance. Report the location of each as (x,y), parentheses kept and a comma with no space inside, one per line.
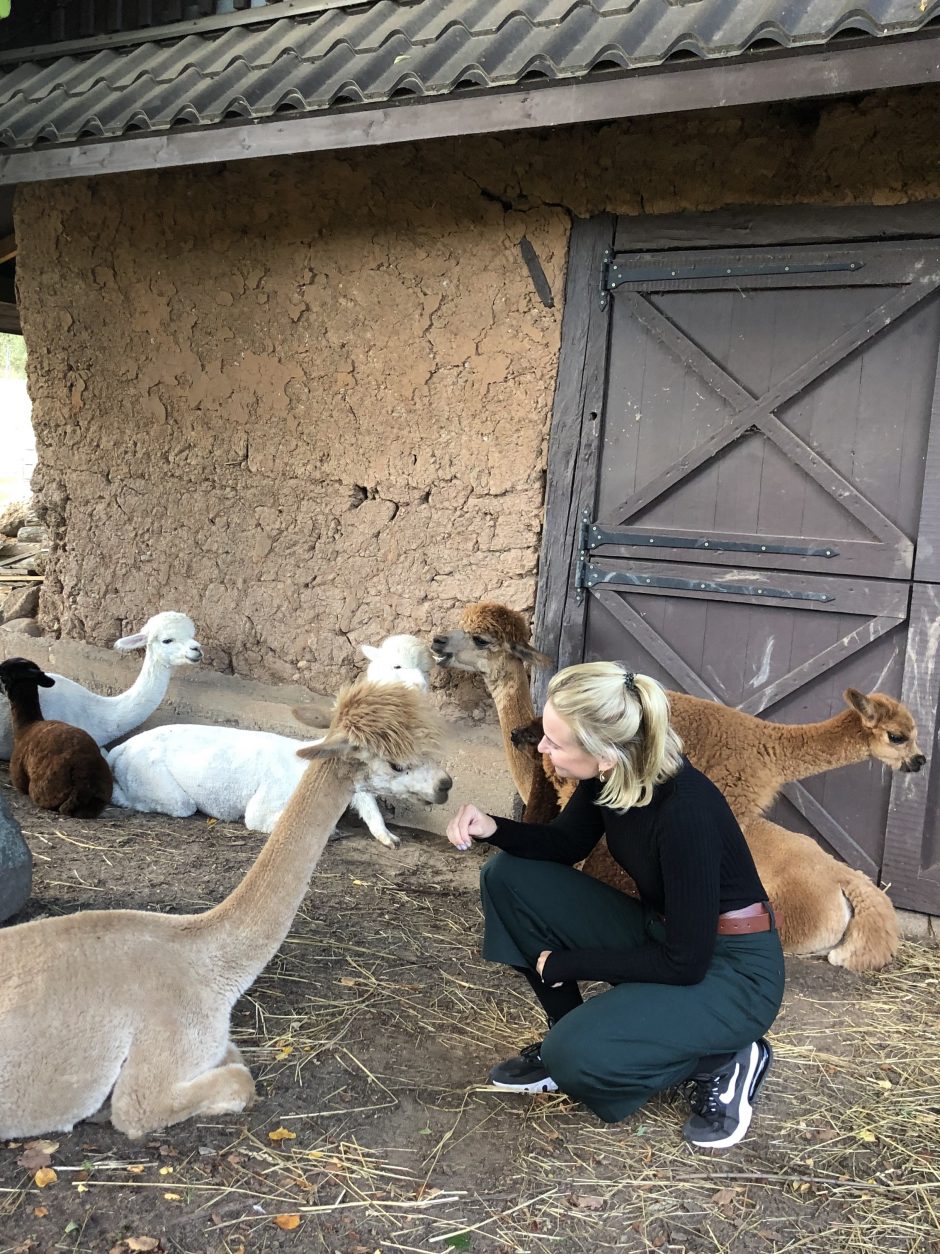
(32,534)
(16,864)
(14,516)
(21,603)
(23,627)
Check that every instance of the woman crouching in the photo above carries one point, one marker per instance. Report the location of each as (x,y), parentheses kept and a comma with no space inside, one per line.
(695,965)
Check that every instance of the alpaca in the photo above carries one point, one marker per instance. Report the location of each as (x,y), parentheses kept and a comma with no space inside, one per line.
(543,803)
(231,773)
(59,767)
(169,641)
(399,660)
(493,641)
(136,1006)
(825,907)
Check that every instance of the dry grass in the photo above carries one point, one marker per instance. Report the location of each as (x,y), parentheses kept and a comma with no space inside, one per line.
(369,1035)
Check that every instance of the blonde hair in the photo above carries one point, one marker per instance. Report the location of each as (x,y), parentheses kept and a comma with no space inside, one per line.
(623,717)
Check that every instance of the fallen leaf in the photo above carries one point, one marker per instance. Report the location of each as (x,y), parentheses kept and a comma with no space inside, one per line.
(172,1197)
(287,1222)
(44,1176)
(135,1169)
(282,1134)
(724,1197)
(142,1243)
(81,1187)
(40,1211)
(166,1171)
(37,1154)
(585,1201)
(286,1051)
(867,1135)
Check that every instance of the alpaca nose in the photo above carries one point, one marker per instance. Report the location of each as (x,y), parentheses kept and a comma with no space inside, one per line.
(446,784)
(439,644)
(916,762)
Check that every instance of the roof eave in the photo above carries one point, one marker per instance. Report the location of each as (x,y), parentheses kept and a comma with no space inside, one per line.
(764,78)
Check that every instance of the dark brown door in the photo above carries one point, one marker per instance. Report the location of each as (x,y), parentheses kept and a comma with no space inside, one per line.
(755,506)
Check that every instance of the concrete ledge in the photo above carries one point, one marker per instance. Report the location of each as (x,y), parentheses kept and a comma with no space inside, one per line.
(198,695)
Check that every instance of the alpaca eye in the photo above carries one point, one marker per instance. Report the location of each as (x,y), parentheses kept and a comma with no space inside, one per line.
(168,641)
(396,767)
(480,641)
(897,738)
(397,666)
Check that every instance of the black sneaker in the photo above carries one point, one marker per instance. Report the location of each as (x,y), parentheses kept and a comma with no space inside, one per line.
(722,1102)
(523,1074)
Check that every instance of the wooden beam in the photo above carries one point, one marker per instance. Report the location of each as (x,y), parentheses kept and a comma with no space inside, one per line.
(671,88)
(7,248)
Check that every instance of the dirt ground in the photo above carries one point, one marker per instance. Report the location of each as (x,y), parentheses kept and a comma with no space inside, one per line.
(370,1036)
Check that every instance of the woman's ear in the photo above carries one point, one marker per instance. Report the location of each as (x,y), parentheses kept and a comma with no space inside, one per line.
(606,764)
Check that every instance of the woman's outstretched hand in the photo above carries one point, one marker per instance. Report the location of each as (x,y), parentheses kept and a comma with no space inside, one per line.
(467,823)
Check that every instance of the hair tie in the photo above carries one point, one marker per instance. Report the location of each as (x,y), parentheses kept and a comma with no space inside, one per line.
(629,682)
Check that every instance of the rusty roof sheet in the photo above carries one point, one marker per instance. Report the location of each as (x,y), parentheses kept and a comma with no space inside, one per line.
(307,62)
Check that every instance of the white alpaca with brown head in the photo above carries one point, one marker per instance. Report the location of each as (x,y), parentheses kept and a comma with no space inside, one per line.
(136,1007)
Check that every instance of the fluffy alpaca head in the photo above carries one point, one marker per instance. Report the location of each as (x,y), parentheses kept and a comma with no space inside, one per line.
(889,728)
(169,639)
(20,675)
(489,635)
(369,720)
(400,660)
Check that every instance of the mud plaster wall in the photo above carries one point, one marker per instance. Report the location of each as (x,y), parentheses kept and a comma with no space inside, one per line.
(307,400)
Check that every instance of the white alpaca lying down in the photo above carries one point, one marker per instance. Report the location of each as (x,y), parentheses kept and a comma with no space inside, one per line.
(231,773)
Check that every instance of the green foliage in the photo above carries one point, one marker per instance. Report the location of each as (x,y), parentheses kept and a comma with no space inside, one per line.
(12,353)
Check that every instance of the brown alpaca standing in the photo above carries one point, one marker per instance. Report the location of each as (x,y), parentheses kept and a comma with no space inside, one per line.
(136,1006)
(493,641)
(844,916)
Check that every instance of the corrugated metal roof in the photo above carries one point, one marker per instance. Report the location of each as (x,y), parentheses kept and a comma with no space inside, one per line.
(384,51)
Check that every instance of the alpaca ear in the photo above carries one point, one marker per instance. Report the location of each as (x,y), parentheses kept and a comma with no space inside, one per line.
(526,653)
(137,641)
(370,651)
(44,680)
(860,703)
(329,747)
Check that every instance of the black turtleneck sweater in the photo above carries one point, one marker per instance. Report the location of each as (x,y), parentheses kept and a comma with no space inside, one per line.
(687,856)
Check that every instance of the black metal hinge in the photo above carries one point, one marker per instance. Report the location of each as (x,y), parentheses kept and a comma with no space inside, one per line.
(614,274)
(593,537)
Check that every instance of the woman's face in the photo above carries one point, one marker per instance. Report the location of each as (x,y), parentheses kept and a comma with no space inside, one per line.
(568,758)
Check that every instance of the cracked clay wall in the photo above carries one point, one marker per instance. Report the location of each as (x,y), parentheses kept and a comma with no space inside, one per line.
(307,400)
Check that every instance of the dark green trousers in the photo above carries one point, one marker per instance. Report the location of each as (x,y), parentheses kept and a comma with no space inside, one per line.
(632,1040)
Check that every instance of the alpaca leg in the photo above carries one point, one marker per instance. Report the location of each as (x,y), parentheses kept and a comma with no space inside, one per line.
(145,1100)
(368,810)
(261,812)
(174,1072)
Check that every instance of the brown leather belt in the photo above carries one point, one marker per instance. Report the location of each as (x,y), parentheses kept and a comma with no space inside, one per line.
(757,918)
(760,917)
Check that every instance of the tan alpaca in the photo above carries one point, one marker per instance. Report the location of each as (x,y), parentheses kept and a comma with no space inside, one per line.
(751,759)
(136,1006)
(493,641)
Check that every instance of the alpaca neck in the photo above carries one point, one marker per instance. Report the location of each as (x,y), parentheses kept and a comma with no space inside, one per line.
(248,927)
(24,709)
(510,691)
(150,686)
(811,748)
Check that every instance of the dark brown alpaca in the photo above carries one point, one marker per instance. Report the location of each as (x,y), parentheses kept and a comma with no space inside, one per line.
(58,766)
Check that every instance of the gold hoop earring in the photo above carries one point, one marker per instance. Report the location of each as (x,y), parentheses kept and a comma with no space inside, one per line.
(602,777)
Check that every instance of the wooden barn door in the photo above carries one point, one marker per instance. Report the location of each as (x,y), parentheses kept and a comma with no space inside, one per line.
(748,510)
